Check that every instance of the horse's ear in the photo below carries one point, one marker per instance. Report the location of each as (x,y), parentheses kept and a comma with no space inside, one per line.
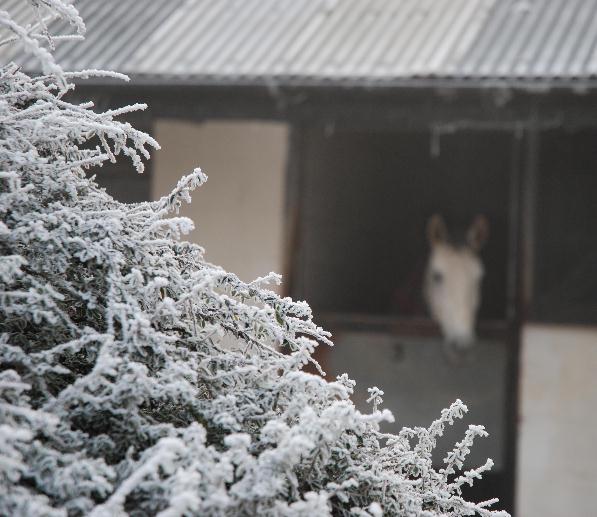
(478,232)
(436,230)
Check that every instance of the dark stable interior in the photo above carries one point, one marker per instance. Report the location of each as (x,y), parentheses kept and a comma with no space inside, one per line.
(565,265)
(367,199)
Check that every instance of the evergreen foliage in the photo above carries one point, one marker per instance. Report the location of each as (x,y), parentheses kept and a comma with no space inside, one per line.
(138,379)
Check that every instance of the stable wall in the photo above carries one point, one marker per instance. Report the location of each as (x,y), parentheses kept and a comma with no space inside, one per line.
(238,213)
(557,449)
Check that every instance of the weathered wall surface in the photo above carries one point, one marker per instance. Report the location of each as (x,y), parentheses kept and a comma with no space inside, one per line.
(238,214)
(557,448)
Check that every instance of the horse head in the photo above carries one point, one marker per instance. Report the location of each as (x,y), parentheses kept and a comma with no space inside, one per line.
(452,285)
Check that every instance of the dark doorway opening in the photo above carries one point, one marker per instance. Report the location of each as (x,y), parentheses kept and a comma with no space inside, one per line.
(366,197)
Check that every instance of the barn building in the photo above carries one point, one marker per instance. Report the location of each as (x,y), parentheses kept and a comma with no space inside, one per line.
(331,131)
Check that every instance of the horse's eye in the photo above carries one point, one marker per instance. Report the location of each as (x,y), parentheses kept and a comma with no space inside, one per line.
(437,277)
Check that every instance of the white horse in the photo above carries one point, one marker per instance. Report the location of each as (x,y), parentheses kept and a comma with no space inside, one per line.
(452,285)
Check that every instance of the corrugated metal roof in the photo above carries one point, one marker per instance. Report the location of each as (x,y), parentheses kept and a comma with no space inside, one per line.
(341,41)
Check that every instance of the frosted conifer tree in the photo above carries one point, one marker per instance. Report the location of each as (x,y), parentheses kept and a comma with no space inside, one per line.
(138,379)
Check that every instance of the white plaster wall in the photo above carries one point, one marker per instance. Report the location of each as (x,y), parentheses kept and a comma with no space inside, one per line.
(238,213)
(557,448)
